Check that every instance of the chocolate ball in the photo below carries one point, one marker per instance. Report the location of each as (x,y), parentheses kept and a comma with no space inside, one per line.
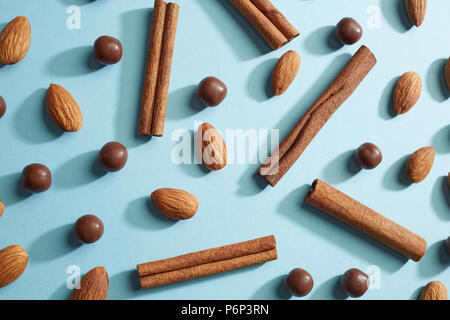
(2,106)
(36,178)
(368,156)
(299,282)
(89,228)
(107,50)
(348,31)
(447,245)
(355,283)
(113,156)
(211,91)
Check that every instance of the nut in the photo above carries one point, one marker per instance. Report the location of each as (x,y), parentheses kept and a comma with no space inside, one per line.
(416,10)
(419,164)
(407,92)
(285,71)
(15,40)
(214,149)
(174,203)
(2,208)
(434,290)
(13,261)
(63,109)
(93,286)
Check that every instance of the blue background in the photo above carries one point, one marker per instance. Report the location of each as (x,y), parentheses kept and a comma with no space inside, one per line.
(213,39)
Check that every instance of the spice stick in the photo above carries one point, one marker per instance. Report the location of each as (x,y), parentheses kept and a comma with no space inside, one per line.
(344,208)
(292,147)
(151,74)
(165,66)
(267,20)
(206,269)
(277,18)
(159,63)
(207,262)
(207,256)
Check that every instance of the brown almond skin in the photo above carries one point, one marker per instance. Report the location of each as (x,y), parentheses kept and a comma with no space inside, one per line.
(419,164)
(175,203)
(2,208)
(93,286)
(15,40)
(416,10)
(434,290)
(407,92)
(285,72)
(63,109)
(214,149)
(13,262)
(447,73)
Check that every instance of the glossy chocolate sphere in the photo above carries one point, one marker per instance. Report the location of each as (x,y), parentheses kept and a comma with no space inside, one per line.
(211,91)
(36,178)
(348,31)
(107,50)
(368,156)
(89,228)
(299,282)
(2,106)
(113,156)
(355,283)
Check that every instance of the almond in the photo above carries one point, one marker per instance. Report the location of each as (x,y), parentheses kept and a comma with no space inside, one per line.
(447,73)
(407,92)
(63,109)
(434,290)
(93,286)
(416,10)
(2,208)
(15,40)
(13,261)
(419,164)
(174,203)
(213,147)
(285,72)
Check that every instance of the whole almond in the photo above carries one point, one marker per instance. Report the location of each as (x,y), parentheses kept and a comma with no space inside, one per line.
(2,208)
(434,290)
(213,147)
(15,40)
(13,261)
(93,286)
(174,203)
(407,92)
(416,10)
(285,71)
(419,164)
(447,73)
(63,109)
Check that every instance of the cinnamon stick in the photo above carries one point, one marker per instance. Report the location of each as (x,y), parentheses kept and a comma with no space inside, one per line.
(344,208)
(159,64)
(267,20)
(207,262)
(292,147)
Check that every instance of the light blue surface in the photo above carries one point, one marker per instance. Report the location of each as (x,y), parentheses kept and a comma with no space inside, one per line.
(213,39)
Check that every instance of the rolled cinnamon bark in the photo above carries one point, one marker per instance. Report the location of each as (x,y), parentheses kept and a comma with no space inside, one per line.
(207,262)
(292,147)
(267,20)
(203,270)
(159,64)
(344,208)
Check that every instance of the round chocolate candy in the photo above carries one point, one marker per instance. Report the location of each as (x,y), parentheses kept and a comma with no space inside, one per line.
(107,50)
(211,91)
(89,228)
(355,283)
(299,282)
(447,245)
(368,156)
(113,156)
(36,178)
(2,106)
(348,31)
